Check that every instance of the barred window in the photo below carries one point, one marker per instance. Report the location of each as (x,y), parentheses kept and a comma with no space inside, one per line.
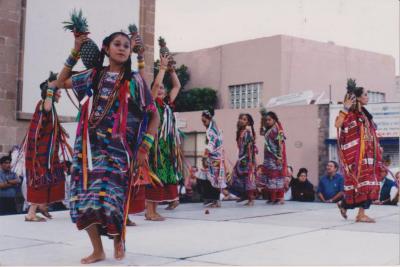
(245,95)
(376,97)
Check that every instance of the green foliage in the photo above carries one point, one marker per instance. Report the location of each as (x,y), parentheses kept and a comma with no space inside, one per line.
(189,100)
(196,99)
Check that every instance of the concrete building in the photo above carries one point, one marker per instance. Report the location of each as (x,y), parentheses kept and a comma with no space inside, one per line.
(250,72)
(22,24)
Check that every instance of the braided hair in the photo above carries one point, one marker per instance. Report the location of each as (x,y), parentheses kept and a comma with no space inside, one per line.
(208,114)
(99,63)
(250,123)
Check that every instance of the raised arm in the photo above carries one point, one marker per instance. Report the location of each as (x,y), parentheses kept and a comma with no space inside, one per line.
(64,78)
(48,102)
(349,101)
(176,84)
(160,76)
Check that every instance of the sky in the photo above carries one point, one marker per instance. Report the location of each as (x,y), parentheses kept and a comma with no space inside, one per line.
(188,25)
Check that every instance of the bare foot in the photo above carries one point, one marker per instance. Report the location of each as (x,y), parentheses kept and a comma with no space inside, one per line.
(119,250)
(281,202)
(154,217)
(130,223)
(172,205)
(159,217)
(342,210)
(365,219)
(94,257)
(250,203)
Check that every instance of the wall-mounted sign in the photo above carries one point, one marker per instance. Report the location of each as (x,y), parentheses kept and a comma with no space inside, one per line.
(386,116)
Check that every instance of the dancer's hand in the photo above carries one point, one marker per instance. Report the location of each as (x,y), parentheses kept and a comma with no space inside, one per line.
(142,158)
(279,161)
(79,40)
(164,59)
(137,40)
(349,101)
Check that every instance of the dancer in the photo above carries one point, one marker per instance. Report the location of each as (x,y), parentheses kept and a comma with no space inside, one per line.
(167,157)
(243,177)
(275,164)
(214,153)
(359,152)
(44,142)
(117,125)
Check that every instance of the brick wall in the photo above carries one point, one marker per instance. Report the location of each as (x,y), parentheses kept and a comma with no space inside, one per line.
(147,22)
(323,134)
(13,123)
(11,27)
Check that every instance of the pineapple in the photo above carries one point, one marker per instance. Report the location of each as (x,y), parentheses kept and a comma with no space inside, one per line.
(78,25)
(351,85)
(165,51)
(45,85)
(133,30)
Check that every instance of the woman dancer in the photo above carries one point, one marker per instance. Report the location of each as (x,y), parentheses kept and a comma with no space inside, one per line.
(116,129)
(360,153)
(214,153)
(44,143)
(243,177)
(275,164)
(167,156)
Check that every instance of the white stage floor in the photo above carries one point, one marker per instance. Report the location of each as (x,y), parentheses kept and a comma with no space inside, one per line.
(291,234)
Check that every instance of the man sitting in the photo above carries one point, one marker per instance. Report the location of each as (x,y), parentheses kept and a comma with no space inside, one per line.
(389,191)
(331,185)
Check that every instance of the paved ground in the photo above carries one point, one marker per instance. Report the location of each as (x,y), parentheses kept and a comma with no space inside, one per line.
(292,234)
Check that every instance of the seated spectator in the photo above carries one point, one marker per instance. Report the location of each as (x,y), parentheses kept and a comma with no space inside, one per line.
(389,190)
(302,189)
(331,185)
(287,184)
(261,192)
(9,186)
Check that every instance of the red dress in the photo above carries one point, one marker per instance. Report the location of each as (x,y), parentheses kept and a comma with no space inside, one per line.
(360,156)
(46,140)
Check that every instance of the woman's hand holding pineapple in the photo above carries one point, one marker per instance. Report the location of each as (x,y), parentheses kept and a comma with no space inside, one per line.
(79,40)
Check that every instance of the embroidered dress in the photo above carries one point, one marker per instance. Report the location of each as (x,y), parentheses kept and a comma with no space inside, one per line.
(273,173)
(243,177)
(43,145)
(360,157)
(167,160)
(111,125)
(216,161)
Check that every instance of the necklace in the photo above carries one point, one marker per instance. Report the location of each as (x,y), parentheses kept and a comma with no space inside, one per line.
(95,120)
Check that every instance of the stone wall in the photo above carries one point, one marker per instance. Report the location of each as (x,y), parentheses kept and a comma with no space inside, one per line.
(323,135)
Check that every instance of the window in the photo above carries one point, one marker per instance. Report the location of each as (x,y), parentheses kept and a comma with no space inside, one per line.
(376,97)
(193,147)
(245,95)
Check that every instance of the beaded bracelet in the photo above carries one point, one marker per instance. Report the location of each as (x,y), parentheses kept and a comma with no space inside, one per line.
(141,64)
(75,54)
(70,62)
(147,142)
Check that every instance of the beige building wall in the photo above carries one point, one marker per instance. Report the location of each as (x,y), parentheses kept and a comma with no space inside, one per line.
(286,64)
(303,134)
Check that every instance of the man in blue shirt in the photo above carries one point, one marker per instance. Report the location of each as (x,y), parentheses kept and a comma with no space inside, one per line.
(9,183)
(389,191)
(331,185)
